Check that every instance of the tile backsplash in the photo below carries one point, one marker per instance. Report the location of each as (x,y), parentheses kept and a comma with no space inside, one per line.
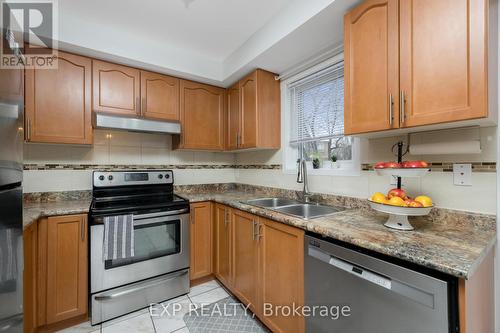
(62,168)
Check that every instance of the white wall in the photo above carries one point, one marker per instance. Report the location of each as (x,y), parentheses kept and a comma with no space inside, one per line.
(121,148)
(439,185)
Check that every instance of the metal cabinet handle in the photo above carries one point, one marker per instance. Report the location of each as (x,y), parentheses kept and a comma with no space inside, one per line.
(259,233)
(143,106)
(254,224)
(138,105)
(402,101)
(83,230)
(391,110)
(28,129)
(226,217)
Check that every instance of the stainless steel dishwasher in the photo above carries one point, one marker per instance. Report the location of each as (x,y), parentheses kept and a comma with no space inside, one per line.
(375,295)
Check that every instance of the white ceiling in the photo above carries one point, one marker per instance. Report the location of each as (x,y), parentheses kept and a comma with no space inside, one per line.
(212,41)
(210,28)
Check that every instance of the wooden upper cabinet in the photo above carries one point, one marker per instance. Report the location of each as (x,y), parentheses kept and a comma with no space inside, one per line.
(371,66)
(116,89)
(233,117)
(443,60)
(201,240)
(442,72)
(260,113)
(202,117)
(248,95)
(66,267)
(245,257)
(160,96)
(282,273)
(223,243)
(58,102)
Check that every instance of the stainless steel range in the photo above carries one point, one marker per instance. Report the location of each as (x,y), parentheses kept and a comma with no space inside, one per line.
(159,268)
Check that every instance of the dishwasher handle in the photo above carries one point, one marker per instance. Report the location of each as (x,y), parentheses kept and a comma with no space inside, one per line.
(417,295)
(355,270)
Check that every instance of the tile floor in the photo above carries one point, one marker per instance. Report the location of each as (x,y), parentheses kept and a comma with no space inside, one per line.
(163,318)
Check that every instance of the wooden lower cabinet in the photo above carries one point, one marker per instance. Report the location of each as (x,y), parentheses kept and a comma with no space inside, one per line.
(245,257)
(56,273)
(30,244)
(200,233)
(266,264)
(281,274)
(223,243)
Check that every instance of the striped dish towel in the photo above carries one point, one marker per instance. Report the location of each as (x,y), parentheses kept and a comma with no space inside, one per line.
(118,237)
(8,260)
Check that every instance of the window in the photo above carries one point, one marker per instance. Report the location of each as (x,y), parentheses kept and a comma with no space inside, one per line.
(316,121)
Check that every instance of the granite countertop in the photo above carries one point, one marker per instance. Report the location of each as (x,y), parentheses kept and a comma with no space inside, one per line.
(449,244)
(448,241)
(34,211)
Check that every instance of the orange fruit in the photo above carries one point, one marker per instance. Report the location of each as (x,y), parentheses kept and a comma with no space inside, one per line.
(424,200)
(396,201)
(378,198)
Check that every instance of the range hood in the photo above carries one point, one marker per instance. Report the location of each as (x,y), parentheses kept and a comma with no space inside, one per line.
(108,121)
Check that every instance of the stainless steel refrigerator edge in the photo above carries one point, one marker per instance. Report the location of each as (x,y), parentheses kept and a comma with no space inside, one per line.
(11,218)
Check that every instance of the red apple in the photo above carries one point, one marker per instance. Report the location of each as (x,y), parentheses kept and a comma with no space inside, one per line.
(415,204)
(392,165)
(396,192)
(408,201)
(380,165)
(415,164)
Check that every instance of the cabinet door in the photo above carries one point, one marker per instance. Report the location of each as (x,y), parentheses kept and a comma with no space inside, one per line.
(115,88)
(201,240)
(443,60)
(67,258)
(245,257)
(282,259)
(223,244)
(202,116)
(371,52)
(248,91)
(30,277)
(233,116)
(160,96)
(58,102)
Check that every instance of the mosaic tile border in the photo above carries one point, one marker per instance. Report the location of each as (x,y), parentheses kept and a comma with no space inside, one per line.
(108,167)
(448,166)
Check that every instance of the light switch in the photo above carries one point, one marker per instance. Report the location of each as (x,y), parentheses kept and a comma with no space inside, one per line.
(462,174)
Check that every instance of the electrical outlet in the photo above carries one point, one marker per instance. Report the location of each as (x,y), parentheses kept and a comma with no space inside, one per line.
(462,174)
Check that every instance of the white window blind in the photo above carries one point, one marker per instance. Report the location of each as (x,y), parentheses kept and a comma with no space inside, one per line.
(317,106)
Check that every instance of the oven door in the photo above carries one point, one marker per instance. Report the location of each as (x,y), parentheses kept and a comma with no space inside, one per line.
(161,245)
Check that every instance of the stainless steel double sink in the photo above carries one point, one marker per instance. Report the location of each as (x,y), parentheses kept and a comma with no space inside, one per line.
(294,207)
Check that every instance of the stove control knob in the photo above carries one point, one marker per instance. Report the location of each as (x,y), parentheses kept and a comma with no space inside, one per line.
(110,177)
(160,176)
(167,176)
(101,177)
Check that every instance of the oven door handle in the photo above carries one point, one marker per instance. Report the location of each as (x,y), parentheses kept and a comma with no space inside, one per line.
(139,288)
(160,214)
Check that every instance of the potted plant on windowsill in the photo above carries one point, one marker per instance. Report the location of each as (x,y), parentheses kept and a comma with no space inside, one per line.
(334,164)
(316,161)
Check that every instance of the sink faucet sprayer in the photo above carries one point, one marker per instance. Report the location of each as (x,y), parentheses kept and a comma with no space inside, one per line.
(302,175)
